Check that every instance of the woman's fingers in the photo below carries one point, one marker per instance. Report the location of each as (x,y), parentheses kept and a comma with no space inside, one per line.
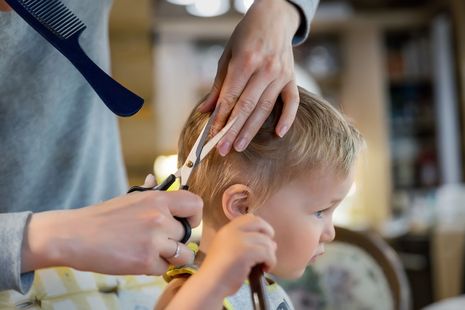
(186,204)
(290,97)
(264,54)
(257,117)
(176,253)
(237,77)
(150,181)
(210,102)
(243,110)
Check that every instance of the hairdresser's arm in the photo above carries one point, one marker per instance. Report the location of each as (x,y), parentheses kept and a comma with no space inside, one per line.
(131,234)
(256,67)
(243,243)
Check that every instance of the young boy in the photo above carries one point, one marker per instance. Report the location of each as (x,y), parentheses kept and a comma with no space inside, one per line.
(271,204)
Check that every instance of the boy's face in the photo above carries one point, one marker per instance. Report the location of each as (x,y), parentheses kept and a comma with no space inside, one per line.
(301,215)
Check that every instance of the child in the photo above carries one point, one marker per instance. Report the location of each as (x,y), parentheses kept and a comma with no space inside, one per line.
(271,204)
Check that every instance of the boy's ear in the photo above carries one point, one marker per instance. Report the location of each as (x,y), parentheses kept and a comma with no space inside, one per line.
(236,200)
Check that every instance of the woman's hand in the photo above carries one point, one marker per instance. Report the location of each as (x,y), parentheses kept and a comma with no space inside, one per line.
(257,66)
(131,234)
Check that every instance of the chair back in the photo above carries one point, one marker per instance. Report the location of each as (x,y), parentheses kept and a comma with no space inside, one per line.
(359,270)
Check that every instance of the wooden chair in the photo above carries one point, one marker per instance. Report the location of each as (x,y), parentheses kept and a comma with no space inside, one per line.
(359,270)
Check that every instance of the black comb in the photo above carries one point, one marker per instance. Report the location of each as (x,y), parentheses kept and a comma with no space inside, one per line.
(59,26)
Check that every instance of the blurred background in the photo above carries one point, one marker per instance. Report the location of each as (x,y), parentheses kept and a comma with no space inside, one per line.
(395,67)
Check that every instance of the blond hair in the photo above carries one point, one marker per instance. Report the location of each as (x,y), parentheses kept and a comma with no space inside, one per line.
(320,137)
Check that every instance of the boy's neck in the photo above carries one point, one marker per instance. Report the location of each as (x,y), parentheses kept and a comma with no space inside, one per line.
(208,233)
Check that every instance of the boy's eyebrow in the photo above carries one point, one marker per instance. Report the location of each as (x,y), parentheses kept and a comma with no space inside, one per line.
(336,201)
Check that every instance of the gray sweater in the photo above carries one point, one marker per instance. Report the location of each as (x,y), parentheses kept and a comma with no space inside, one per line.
(60,145)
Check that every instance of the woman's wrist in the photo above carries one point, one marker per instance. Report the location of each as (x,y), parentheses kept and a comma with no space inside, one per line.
(43,241)
(281,9)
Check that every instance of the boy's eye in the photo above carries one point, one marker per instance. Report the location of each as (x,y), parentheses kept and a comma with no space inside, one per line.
(319,214)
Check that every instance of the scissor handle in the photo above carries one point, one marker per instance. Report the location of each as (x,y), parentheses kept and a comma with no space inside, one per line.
(163,187)
(184,221)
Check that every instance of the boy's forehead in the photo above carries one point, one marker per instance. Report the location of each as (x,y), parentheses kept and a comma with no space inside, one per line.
(323,182)
(317,175)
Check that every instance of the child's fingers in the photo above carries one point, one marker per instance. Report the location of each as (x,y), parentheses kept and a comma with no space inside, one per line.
(252,223)
(262,250)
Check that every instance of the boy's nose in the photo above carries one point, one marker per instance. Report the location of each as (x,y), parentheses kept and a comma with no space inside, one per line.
(329,234)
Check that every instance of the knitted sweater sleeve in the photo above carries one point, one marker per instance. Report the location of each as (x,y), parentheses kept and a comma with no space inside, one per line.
(11,238)
(307,9)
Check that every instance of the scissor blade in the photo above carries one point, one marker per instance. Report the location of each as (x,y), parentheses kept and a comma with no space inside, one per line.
(203,137)
(194,155)
(214,141)
(192,160)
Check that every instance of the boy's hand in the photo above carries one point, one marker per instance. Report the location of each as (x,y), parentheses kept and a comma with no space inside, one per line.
(4,6)
(237,247)
(131,234)
(257,66)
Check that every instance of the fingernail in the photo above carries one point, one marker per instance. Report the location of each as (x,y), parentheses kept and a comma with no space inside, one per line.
(201,106)
(224,148)
(282,131)
(240,145)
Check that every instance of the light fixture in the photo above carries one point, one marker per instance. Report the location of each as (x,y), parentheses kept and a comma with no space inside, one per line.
(242,5)
(181,2)
(208,8)
(164,166)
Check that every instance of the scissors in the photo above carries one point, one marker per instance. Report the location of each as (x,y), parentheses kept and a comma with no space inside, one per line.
(198,152)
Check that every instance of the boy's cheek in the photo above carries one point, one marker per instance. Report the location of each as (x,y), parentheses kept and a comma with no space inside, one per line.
(290,267)
(287,273)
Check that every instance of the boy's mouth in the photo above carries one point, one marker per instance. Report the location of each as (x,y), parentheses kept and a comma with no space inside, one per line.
(313,259)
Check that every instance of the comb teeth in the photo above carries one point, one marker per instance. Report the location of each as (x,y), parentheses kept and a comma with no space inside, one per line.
(54,16)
